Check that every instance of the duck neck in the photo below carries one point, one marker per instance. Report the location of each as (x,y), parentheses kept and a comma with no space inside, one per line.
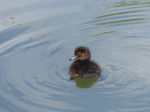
(84,60)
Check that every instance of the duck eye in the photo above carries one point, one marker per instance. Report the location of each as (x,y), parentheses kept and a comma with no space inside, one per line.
(79,53)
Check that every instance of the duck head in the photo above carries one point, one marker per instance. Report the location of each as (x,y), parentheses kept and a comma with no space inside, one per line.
(81,53)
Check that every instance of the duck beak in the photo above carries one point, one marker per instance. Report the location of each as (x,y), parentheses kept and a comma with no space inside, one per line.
(73,58)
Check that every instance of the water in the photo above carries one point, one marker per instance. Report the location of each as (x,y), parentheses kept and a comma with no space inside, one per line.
(38,37)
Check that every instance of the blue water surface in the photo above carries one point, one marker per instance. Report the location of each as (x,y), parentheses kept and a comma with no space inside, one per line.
(38,37)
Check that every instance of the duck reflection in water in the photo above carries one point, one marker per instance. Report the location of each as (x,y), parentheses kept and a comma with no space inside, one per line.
(83,67)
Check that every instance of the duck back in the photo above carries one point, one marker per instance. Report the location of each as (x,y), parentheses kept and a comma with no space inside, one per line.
(85,69)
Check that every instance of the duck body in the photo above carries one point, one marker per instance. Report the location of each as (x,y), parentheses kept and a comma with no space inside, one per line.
(85,69)
(83,66)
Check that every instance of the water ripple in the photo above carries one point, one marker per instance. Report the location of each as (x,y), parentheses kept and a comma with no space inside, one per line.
(34,59)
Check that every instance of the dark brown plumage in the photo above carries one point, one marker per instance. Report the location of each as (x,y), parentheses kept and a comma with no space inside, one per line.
(83,66)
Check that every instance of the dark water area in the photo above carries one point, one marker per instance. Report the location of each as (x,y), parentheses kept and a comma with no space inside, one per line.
(38,37)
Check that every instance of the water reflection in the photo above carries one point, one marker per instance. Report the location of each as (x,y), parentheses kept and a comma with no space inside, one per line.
(84,82)
(122,17)
(129,3)
(120,21)
(120,13)
(104,33)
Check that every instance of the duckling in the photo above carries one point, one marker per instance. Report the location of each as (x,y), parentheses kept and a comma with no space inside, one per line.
(83,66)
